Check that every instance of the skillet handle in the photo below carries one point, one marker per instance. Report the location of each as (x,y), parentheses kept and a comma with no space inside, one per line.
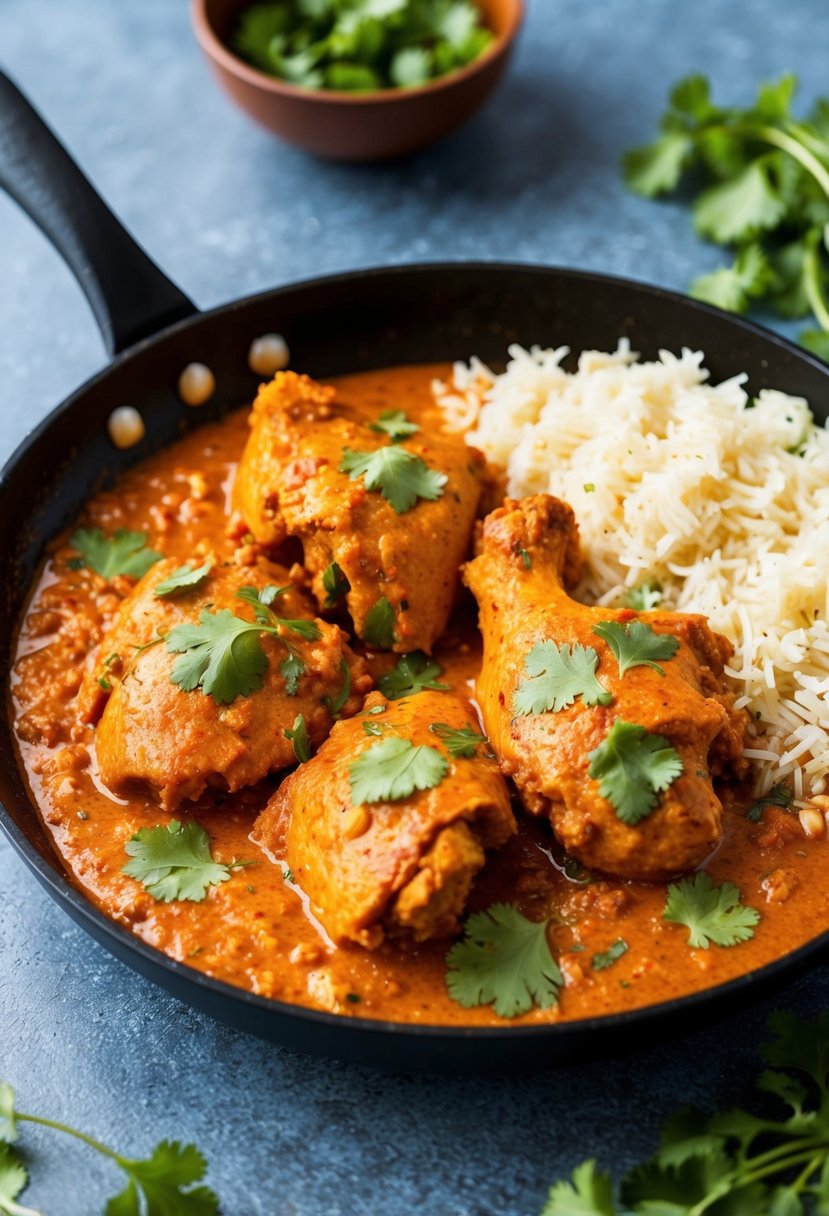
(130,297)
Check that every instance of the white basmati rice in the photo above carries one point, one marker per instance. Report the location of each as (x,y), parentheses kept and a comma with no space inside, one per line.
(721,499)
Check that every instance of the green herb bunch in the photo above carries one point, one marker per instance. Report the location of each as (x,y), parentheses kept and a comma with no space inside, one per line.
(763,181)
(360,45)
(775,1163)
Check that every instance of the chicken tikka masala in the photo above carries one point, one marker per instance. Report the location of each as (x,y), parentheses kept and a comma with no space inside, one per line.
(308,705)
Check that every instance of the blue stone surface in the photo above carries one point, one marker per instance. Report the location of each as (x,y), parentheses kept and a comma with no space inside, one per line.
(227,210)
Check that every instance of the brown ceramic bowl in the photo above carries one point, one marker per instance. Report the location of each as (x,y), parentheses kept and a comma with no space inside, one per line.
(355,126)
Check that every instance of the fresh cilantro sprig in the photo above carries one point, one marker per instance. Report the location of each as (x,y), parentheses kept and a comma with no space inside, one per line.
(175,862)
(636,644)
(394,769)
(185,578)
(634,768)
(643,597)
(557,675)
(162,1184)
(396,425)
(766,193)
(124,552)
(223,654)
(413,673)
(360,45)
(710,913)
(734,1164)
(401,477)
(461,743)
(503,960)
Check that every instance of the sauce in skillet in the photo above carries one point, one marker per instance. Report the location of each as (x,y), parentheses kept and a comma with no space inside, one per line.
(253,931)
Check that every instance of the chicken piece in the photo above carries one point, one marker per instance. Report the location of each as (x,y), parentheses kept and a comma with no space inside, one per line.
(289,484)
(176,744)
(393,867)
(528,552)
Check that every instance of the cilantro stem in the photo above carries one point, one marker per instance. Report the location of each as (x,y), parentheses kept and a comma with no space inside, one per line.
(811,282)
(806,1173)
(795,148)
(71,1131)
(785,1159)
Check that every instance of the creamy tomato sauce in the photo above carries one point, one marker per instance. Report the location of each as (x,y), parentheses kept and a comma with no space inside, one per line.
(254,931)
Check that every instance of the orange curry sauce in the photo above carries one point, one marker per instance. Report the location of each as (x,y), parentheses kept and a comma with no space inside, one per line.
(254,931)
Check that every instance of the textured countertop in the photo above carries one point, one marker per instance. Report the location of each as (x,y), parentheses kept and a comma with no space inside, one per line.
(227,210)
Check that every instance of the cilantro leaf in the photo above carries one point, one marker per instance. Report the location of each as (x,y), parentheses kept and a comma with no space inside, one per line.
(183,579)
(644,597)
(401,477)
(298,735)
(778,795)
(13,1180)
(394,769)
(805,1052)
(636,644)
(335,584)
(557,675)
(656,168)
(222,655)
(124,553)
(334,705)
(710,913)
(410,67)
(587,1193)
(633,768)
(292,670)
(461,743)
(413,673)
(164,1182)
(394,423)
(816,341)
(378,629)
(607,958)
(175,862)
(739,209)
(504,960)
(8,1124)
(734,287)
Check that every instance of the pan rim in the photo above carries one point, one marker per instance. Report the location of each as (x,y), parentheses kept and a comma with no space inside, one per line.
(71,899)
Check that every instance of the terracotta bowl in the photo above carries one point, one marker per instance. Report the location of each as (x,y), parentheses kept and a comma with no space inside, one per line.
(355,126)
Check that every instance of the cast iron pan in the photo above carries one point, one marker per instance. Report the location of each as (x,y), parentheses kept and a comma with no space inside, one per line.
(343,323)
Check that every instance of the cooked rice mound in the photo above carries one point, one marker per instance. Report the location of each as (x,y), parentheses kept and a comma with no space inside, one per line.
(721,499)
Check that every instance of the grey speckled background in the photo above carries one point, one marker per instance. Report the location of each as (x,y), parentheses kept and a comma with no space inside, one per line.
(226,210)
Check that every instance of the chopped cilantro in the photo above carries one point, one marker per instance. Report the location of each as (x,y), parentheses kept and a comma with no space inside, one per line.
(353,998)
(636,644)
(378,628)
(634,768)
(526,559)
(292,670)
(401,477)
(394,769)
(778,795)
(503,960)
(396,425)
(413,673)
(124,553)
(607,958)
(183,579)
(375,729)
(557,675)
(710,913)
(643,598)
(298,735)
(589,487)
(334,705)
(335,584)
(288,875)
(175,862)
(461,743)
(104,683)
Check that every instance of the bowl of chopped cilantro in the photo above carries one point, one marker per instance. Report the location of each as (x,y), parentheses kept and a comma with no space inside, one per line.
(358,80)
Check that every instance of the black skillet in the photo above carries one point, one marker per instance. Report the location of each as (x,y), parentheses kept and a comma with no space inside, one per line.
(342,323)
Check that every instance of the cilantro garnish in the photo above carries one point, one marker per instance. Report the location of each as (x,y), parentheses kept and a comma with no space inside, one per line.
(223,653)
(378,628)
(461,743)
(636,644)
(183,579)
(634,768)
(607,958)
(394,769)
(504,960)
(643,598)
(396,425)
(175,862)
(335,584)
(413,673)
(125,552)
(334,705)
(401,477)
(375,729)
(557,675)
(778,795)
(298,735)
(161,1184)
(710,913)
(765,179)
